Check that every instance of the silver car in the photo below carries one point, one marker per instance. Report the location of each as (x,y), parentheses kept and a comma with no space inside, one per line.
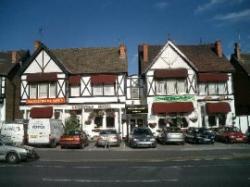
(14,154)
(108,137)
(171,135)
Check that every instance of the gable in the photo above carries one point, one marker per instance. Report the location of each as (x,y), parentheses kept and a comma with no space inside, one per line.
(169,58)
(43,63)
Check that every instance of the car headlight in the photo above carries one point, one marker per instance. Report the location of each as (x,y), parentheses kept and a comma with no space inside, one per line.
(231,136)
(134,139)
(152,139)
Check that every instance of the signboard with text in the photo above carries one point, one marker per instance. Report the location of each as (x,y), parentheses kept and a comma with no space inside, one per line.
(174,98)
(45,101)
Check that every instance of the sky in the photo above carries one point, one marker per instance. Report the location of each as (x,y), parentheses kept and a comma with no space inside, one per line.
(108,23)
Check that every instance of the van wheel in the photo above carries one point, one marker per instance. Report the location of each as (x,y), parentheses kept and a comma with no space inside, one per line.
(12,158)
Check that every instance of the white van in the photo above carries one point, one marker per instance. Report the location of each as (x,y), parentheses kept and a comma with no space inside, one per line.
(45,132)
(14,131)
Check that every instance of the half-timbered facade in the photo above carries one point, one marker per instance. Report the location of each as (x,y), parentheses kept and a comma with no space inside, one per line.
(10,63)
(241,80)
(87,81)
(186,85)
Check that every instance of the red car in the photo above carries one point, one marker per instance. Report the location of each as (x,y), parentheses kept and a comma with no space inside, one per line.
(74,138)
(230,134)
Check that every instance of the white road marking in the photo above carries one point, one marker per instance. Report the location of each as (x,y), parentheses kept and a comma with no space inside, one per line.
(109,181)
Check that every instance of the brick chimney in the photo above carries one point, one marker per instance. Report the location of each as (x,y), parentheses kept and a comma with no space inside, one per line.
(122,51)
(37,44)
(218,48)
(237,50)
(13,57)
(145,52)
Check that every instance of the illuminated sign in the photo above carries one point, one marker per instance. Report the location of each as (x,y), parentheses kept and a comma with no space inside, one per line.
(46,101)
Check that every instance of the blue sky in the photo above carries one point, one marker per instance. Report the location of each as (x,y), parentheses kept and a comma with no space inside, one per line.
(100,23)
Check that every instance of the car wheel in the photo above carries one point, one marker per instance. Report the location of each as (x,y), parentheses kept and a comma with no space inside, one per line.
(12,158)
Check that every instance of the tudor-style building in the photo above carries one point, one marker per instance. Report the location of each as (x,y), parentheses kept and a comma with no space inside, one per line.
(87,81)
(241,80)
(10,63)
(188,85)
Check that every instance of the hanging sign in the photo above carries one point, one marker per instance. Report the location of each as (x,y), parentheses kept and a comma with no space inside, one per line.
(174,98)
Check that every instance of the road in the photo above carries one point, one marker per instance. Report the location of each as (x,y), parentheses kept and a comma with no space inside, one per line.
(189,165)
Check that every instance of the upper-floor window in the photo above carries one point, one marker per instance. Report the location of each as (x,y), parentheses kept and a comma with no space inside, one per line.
(42,90)
(212,89)
(74,91)
(106,90)
(170,86)
(103,85)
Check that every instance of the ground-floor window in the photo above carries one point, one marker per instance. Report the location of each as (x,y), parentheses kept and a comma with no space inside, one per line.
(110,120)
(98,121)
(218,119)
(180,121)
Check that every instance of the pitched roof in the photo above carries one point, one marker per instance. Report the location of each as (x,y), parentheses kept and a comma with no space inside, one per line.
(245,62)
(91,60)
(202,57)
(6,65)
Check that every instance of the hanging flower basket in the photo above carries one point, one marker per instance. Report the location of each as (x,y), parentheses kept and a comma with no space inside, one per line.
(152,125)
(100,113)
(88,122)
(92,115)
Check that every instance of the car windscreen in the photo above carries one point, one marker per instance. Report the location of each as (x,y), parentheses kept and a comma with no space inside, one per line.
(106,132)
(173,129)
(232,129)
(73,132)
(142,132)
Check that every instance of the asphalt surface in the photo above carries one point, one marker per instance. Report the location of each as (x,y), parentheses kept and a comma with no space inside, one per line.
(168,165)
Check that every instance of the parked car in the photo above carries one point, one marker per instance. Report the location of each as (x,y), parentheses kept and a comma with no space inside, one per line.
(74,138)
(248,135)
(108,137)
(199,135)
(14,154)
(142,137)
(230,134)
(45,131)
(171,135)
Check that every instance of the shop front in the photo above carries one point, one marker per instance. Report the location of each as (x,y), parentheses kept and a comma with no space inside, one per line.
(172,111)
(136,116)
(94,117)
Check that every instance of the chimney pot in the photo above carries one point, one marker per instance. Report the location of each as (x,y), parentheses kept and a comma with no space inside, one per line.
(13,56)
(218,48)
(37,44)
(237,50)
(122,51)
(145,52)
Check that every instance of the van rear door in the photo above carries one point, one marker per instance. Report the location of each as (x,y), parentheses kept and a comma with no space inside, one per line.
(38,131)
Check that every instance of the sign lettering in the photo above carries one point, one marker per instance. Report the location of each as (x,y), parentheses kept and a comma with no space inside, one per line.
(174,98)
(45,101)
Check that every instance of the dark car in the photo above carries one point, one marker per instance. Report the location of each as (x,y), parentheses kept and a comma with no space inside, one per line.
(171,135)
(74,138)
(248,135)
(199,135)
(142,137)
(230,134)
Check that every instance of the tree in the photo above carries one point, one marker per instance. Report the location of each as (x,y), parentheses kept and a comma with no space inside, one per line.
(72,123)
